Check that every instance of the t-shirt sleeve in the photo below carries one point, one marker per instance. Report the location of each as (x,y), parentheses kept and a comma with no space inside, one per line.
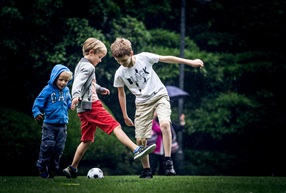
(151,58)
(118,82)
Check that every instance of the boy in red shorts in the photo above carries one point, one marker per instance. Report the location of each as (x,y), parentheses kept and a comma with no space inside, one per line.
(90,110)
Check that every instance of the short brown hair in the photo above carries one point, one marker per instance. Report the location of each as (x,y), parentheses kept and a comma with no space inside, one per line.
(121,47)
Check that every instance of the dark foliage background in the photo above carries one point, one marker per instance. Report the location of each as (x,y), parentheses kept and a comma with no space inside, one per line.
(236,110)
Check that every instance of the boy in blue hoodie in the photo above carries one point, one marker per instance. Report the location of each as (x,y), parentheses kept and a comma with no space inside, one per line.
(51,106)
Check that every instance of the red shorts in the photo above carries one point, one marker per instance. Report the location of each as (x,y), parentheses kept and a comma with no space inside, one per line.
(97,117)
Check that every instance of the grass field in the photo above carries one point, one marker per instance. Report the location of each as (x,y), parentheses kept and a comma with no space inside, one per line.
(132,184)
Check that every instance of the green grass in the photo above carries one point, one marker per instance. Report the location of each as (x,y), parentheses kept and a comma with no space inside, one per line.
(132,184)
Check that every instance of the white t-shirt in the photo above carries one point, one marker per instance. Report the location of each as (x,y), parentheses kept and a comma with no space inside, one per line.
(141,79)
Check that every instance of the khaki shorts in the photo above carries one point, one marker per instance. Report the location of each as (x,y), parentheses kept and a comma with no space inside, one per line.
(145,113)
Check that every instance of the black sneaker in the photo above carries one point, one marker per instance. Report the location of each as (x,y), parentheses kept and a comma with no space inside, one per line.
(169,168)
(70,172)
(143,151)
(146,174)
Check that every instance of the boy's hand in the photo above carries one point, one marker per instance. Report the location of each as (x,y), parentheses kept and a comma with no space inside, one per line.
(197,63)
(75,102)
(39,117)
(72,106)
(128,122)
(103,91)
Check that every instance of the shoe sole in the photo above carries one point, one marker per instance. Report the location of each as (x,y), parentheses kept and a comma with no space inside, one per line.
(170,174)
(147,151)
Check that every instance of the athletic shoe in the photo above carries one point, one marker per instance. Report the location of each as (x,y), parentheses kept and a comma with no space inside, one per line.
(70,172)
(146,174)
(44,173)
(143,151)
(169,168)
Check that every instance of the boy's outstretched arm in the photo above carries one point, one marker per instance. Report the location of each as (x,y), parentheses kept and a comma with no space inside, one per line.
(122,102)
(196,63)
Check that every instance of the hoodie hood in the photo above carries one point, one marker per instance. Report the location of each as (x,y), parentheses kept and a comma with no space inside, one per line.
(57,70)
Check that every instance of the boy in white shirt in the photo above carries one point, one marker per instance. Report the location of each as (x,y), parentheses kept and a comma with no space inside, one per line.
(137,74)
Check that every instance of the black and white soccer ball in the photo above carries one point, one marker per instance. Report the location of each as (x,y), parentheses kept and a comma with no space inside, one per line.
(94,173)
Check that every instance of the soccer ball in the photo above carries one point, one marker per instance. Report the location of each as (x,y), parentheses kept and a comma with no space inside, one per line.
(94,173)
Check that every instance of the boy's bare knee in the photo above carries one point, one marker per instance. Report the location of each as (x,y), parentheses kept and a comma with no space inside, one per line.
(117,129)
(165,125)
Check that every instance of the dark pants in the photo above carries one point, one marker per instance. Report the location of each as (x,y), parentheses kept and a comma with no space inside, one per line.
(52,146)
(156,163)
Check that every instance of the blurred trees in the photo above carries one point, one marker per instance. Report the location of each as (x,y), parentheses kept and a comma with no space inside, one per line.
(236,109)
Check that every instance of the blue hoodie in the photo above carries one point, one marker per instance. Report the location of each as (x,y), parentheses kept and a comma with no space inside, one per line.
(52,101)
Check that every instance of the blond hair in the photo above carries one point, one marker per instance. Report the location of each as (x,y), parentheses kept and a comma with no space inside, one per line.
(121,47)
(69,73)
(93,44)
